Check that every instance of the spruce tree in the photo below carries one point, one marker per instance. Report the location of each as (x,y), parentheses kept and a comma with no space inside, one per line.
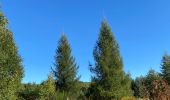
(65,71)
(110,80)
(138,87)
(166,68)
(11,69)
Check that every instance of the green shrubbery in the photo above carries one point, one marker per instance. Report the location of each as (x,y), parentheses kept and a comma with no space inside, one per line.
(109,81)
(128,98)
(38,92)
(44,91)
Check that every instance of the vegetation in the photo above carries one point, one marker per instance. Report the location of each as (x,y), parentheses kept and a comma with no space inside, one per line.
(65,71)
(109,81)
(138,87)
(11,69)
(152,86)
(166,68)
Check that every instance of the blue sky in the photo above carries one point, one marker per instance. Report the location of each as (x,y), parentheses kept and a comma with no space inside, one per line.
(141,28)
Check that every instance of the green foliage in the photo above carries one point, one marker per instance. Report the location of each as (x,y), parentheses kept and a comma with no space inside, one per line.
(156,87)
(138,87)
(30,91)
(150,77)
(65,71)
(142,86)
(109,82)
(109,77)
(166,68)
(84,91)
(152,86)
(43,91)
(11,69)
(128,98)
(48,89)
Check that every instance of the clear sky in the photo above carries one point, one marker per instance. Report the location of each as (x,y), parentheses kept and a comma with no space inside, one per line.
(141,27)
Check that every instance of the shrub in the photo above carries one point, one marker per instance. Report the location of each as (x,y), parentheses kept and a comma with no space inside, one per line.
(128,98)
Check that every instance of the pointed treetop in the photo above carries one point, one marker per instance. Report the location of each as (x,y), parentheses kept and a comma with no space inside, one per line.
(104,20)
(105,29)
(63,37)
(105,25)
(166,57)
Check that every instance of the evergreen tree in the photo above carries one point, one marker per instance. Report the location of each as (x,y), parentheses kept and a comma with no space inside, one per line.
(11,69)
(138,87)
(149,80)
(166,68)
(150,77)
(109,77)
(65,71)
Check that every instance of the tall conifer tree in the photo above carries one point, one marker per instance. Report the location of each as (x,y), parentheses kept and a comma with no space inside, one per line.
(166,68)
(66,68)
(109,78)
(138,87)
(11,69)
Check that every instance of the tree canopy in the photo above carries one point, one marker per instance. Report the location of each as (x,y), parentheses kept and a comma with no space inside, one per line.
(109,77)
(11,69)
(66,69)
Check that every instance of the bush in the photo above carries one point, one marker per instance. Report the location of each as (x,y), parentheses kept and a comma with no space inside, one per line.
(128,98)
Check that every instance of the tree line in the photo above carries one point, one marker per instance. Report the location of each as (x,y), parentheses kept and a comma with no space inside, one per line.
(109,80)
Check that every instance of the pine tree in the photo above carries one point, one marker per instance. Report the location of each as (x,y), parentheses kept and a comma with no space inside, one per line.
(11,69)
(65,71)
(166,68)
(110,80)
